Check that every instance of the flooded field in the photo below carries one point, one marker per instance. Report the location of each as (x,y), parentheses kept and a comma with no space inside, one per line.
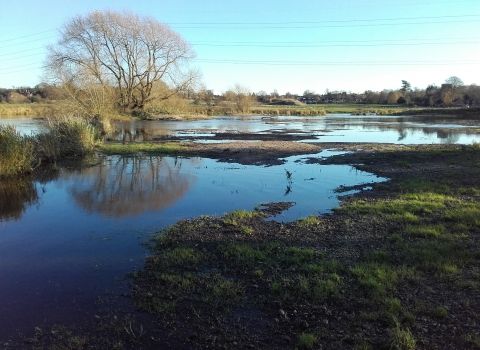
(330,128)
(69,238)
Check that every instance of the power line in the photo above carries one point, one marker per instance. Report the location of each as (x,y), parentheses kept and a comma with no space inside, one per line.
(281,24)
(338,63)
(20,70)
(326,21)
(326,26)
(6,70)
(25,42)
(26,36)
(343,41)
(298,63)
(268,45)
(16,53)
(300,44)
(327,43)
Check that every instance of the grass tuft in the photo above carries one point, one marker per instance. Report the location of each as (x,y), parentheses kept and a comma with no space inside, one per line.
(16,152)
(67,137)
(402,339)
(378,279)
(306,341)
(309,222)
(425,230)
(182,256)
(238,219)
(440,312)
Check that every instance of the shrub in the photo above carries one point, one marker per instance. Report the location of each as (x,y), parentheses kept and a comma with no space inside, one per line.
(16,152)
(67,137)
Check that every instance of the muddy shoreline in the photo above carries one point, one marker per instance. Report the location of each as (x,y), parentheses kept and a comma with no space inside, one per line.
(251,152)
(396,266)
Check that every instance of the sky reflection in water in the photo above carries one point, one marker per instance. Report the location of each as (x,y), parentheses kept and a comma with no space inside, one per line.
(74,234)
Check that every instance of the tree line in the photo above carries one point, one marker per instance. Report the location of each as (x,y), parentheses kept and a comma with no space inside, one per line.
(107,62)
(452,93)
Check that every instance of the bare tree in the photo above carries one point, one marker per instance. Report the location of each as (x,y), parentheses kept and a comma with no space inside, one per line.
(454,81)
(122,52)
(241,97)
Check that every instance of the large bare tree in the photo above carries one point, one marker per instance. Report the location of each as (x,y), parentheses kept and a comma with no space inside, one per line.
(120,52)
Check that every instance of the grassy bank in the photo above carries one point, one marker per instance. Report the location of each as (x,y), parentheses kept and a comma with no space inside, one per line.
(50,110)
(143,147)
(391,269)
(294,110)
(299,109)
(16,152)
(322,109)
(43,110)
(364,109)
(66,138)
(397,267)
(55,109)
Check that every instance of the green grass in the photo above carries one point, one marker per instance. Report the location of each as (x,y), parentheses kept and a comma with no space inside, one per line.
(379,279)
(402,339)
(298,255)
(440,312)
(182,256)
(473,340)
(244,254)
(441,256)
(363,345)
(143,147)
(407,205)
(306,341)
(438,223)
(418,234)
(16,152)
(274,110)
(240,218)
(236,217)
(300,109)
(306,287)
(222,291)
(425,230)
(467,213)
(183,273)
(322,109)
(309,222)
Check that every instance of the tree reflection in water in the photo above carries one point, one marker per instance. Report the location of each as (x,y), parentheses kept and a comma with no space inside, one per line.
(127,186)
(16,196)
(138,131)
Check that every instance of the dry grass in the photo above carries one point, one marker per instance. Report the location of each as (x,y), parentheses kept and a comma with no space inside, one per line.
(68,137)
(29,110)
(16,152)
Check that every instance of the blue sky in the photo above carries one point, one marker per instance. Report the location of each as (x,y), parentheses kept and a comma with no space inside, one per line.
(285,45)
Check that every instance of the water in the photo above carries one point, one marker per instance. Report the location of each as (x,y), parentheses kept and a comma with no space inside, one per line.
(25,126)
(70,237)
(330,128)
